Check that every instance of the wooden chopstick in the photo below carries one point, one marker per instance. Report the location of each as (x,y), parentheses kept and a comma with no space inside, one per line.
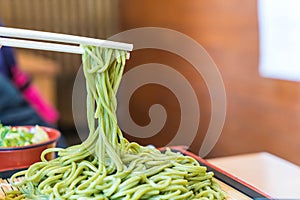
(33,35)
(41,45)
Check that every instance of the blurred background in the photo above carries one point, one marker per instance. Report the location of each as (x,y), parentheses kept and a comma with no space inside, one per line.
(263,114)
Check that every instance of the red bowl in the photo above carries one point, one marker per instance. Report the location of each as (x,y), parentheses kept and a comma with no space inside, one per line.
(13,158)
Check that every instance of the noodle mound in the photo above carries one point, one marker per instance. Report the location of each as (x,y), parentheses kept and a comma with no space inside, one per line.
(106,165)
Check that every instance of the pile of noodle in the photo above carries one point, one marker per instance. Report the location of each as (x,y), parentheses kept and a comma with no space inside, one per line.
(106,165)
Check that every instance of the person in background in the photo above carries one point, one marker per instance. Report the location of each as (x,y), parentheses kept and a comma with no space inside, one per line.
(20,101)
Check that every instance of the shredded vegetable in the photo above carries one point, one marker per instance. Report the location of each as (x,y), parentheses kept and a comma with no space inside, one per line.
(21,136)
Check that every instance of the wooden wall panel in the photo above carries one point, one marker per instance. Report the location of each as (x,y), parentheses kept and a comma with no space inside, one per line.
(262,114)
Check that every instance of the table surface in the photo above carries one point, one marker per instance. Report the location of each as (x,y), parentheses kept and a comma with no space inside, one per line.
(269,173)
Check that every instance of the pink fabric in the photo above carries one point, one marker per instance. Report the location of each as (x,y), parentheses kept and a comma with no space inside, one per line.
(33,97)
(19,78)
(45,110)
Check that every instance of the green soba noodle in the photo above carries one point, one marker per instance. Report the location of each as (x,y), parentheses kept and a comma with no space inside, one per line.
(106,165)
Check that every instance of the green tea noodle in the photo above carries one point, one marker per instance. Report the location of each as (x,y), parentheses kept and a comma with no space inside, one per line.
(106,165)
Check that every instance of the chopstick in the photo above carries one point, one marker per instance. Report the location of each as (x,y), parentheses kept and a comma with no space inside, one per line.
(33,35)
(41,45)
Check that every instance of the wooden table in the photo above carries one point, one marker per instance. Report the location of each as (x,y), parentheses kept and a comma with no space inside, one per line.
(269,173)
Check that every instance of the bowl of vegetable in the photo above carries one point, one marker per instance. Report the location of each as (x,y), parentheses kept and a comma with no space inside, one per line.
(21,146)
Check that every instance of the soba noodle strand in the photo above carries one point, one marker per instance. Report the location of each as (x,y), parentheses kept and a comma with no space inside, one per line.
(106,165)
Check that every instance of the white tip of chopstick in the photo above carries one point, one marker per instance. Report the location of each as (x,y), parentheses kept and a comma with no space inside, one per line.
(127,56)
